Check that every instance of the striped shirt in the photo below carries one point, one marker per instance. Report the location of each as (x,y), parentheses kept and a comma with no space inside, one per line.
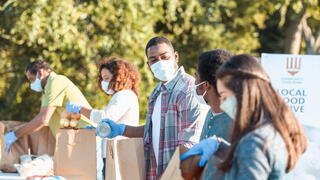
(182,119)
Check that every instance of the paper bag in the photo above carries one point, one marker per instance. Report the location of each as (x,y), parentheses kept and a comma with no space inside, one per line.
(125,159)
(42,142)
(75,154)
(20,147)
(173,171)
(187,169)
(38,143)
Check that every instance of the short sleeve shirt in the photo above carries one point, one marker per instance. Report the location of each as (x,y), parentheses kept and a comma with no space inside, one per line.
(58,90)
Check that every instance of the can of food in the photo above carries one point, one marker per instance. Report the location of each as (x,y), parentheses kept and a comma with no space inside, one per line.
(103,129)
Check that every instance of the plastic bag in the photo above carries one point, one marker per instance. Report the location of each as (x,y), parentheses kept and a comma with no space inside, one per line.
(35,166)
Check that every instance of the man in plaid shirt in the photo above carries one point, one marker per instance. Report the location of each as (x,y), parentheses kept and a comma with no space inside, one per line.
(175,117)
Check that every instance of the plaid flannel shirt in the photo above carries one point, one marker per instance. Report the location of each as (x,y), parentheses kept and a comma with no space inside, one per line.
(182,118)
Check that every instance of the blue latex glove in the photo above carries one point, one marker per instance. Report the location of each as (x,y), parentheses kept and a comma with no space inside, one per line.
(72,107)
(90,127)
(204,148)
(9,139)
(115,128)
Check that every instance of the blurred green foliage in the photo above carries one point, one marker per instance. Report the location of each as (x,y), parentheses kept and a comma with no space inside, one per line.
(74,34)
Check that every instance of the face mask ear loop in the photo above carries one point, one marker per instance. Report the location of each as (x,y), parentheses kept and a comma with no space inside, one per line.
(196,87)
(37,77)
(205,92)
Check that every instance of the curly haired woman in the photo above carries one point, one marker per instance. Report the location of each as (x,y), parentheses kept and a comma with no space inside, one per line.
(119,79)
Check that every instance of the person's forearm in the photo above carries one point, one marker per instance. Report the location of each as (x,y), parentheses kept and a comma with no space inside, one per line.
(86,112)
(34,125)
(132,131)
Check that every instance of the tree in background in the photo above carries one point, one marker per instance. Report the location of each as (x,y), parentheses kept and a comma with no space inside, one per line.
(74,34)
(294,28)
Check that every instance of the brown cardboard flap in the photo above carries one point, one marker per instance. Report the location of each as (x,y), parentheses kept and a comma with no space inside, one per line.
(173,171)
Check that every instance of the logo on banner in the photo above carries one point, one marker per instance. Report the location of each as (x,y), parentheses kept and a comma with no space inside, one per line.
(293,65)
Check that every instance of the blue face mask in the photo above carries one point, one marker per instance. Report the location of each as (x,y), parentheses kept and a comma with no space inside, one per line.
(36,85)
(229,106)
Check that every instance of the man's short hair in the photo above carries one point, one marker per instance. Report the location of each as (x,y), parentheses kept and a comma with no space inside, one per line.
(209,62)
(35,66)
(158,40)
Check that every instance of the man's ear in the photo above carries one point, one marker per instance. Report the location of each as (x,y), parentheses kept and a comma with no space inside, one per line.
(176,56)
(40,73)
(148,64)
(207,85)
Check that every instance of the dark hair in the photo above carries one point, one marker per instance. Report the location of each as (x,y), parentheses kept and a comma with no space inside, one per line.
(257,100)
(209,62)
(158,40)
(35,66)
(124,74)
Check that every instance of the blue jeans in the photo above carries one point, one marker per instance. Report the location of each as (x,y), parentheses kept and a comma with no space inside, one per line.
(104,167)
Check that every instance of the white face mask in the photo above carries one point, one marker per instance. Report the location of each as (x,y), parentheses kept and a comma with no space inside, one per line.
(105,87)
(229,106)
(36,85)
(164,69)
(199,97)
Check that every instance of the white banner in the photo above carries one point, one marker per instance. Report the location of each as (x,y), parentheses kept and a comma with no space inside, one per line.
(296,79)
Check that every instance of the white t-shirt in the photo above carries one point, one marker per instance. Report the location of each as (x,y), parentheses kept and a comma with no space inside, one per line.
(123,108)
(215,114)
(121,103)
(156,120)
